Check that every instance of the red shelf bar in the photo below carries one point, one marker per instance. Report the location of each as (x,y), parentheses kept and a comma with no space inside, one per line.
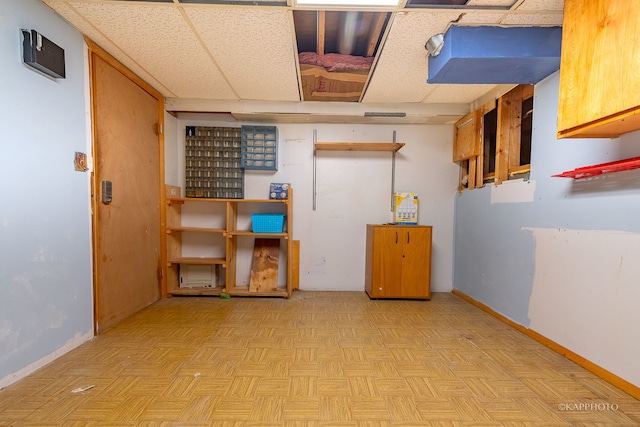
(602,168)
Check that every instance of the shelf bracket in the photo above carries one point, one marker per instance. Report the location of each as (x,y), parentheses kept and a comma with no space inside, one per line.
(393,175)
(315,140)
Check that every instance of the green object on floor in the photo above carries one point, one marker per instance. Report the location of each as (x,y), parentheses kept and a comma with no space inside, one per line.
(225,296)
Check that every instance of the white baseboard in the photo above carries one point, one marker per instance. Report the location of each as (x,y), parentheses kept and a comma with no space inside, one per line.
(74,342)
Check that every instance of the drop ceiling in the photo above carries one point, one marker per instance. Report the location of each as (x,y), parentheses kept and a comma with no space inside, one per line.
(241,57)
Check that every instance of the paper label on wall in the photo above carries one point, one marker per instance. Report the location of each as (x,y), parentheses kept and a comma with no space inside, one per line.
(405,208)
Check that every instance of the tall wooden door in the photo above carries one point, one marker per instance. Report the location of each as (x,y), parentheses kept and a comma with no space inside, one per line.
(127,115)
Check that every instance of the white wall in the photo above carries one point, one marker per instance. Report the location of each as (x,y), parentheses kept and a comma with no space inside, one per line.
(45,243)
(353,189)
(557,255)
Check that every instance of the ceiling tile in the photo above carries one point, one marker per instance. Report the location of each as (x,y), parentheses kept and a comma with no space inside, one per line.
(534,19)
(162,43)
(70,14)
(253,47)
(463,94)
(401,72)
(484,18)
(547,5)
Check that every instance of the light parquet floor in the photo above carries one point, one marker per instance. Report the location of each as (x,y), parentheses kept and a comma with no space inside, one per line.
(318,359)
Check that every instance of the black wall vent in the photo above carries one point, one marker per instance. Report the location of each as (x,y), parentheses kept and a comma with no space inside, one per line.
(42,54)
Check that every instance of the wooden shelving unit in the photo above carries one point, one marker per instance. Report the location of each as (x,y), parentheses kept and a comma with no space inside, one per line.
(230,234)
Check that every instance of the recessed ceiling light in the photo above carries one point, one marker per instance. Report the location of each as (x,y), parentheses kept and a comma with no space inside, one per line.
(384,114)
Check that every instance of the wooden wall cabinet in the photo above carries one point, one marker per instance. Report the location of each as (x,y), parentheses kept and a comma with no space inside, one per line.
(222,236)
(398,261)
(467,137)
(599,78)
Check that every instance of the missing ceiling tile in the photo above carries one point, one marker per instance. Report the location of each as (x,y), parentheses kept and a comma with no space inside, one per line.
(336,51)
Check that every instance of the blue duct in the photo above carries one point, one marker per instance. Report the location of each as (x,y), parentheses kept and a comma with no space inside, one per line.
(496,55)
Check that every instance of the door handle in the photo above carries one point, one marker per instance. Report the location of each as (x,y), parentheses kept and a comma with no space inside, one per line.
(107,192)
(408,236)
(396,237)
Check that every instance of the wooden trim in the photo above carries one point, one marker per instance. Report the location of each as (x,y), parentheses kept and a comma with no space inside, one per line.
(471,183)
(94,193)
(515,125)
(94,49)
(289,243)
(480,157)
(607,127)
(502,140)
(610,377)
(489,106)
(519,169)
(295,267)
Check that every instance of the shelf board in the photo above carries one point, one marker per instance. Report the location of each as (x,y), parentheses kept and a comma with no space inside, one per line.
(238,291)
(198,261)
(198,291)
(251,233)
(359,146)
(601,169)
(196,230)
(243,291)
(181,200)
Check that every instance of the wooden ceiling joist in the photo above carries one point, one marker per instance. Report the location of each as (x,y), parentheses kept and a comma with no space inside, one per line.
(321,25)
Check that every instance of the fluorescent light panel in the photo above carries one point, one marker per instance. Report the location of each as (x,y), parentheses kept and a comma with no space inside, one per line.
(348,3)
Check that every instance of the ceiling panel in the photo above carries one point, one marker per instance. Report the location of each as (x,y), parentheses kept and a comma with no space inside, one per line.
(400,74)
(534,19)
(547,5)
(86,28)
(254,47)
(485,18)
(456,94)
(160,40)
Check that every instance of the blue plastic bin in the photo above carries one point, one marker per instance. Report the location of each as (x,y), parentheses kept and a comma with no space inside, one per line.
(267,223)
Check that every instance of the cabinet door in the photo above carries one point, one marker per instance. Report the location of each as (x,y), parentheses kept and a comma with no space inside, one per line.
(599,84)
(389,249)
(416,262)
(466,138)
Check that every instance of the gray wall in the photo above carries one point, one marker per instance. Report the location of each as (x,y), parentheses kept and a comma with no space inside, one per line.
(45,242)
(557,255)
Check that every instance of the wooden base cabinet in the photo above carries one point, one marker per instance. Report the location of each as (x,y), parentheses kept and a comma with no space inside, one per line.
(398,261)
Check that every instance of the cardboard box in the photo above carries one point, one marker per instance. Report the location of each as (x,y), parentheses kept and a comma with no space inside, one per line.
(279,191)
(405,208)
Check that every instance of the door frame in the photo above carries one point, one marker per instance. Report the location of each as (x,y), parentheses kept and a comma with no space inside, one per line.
(94,49)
